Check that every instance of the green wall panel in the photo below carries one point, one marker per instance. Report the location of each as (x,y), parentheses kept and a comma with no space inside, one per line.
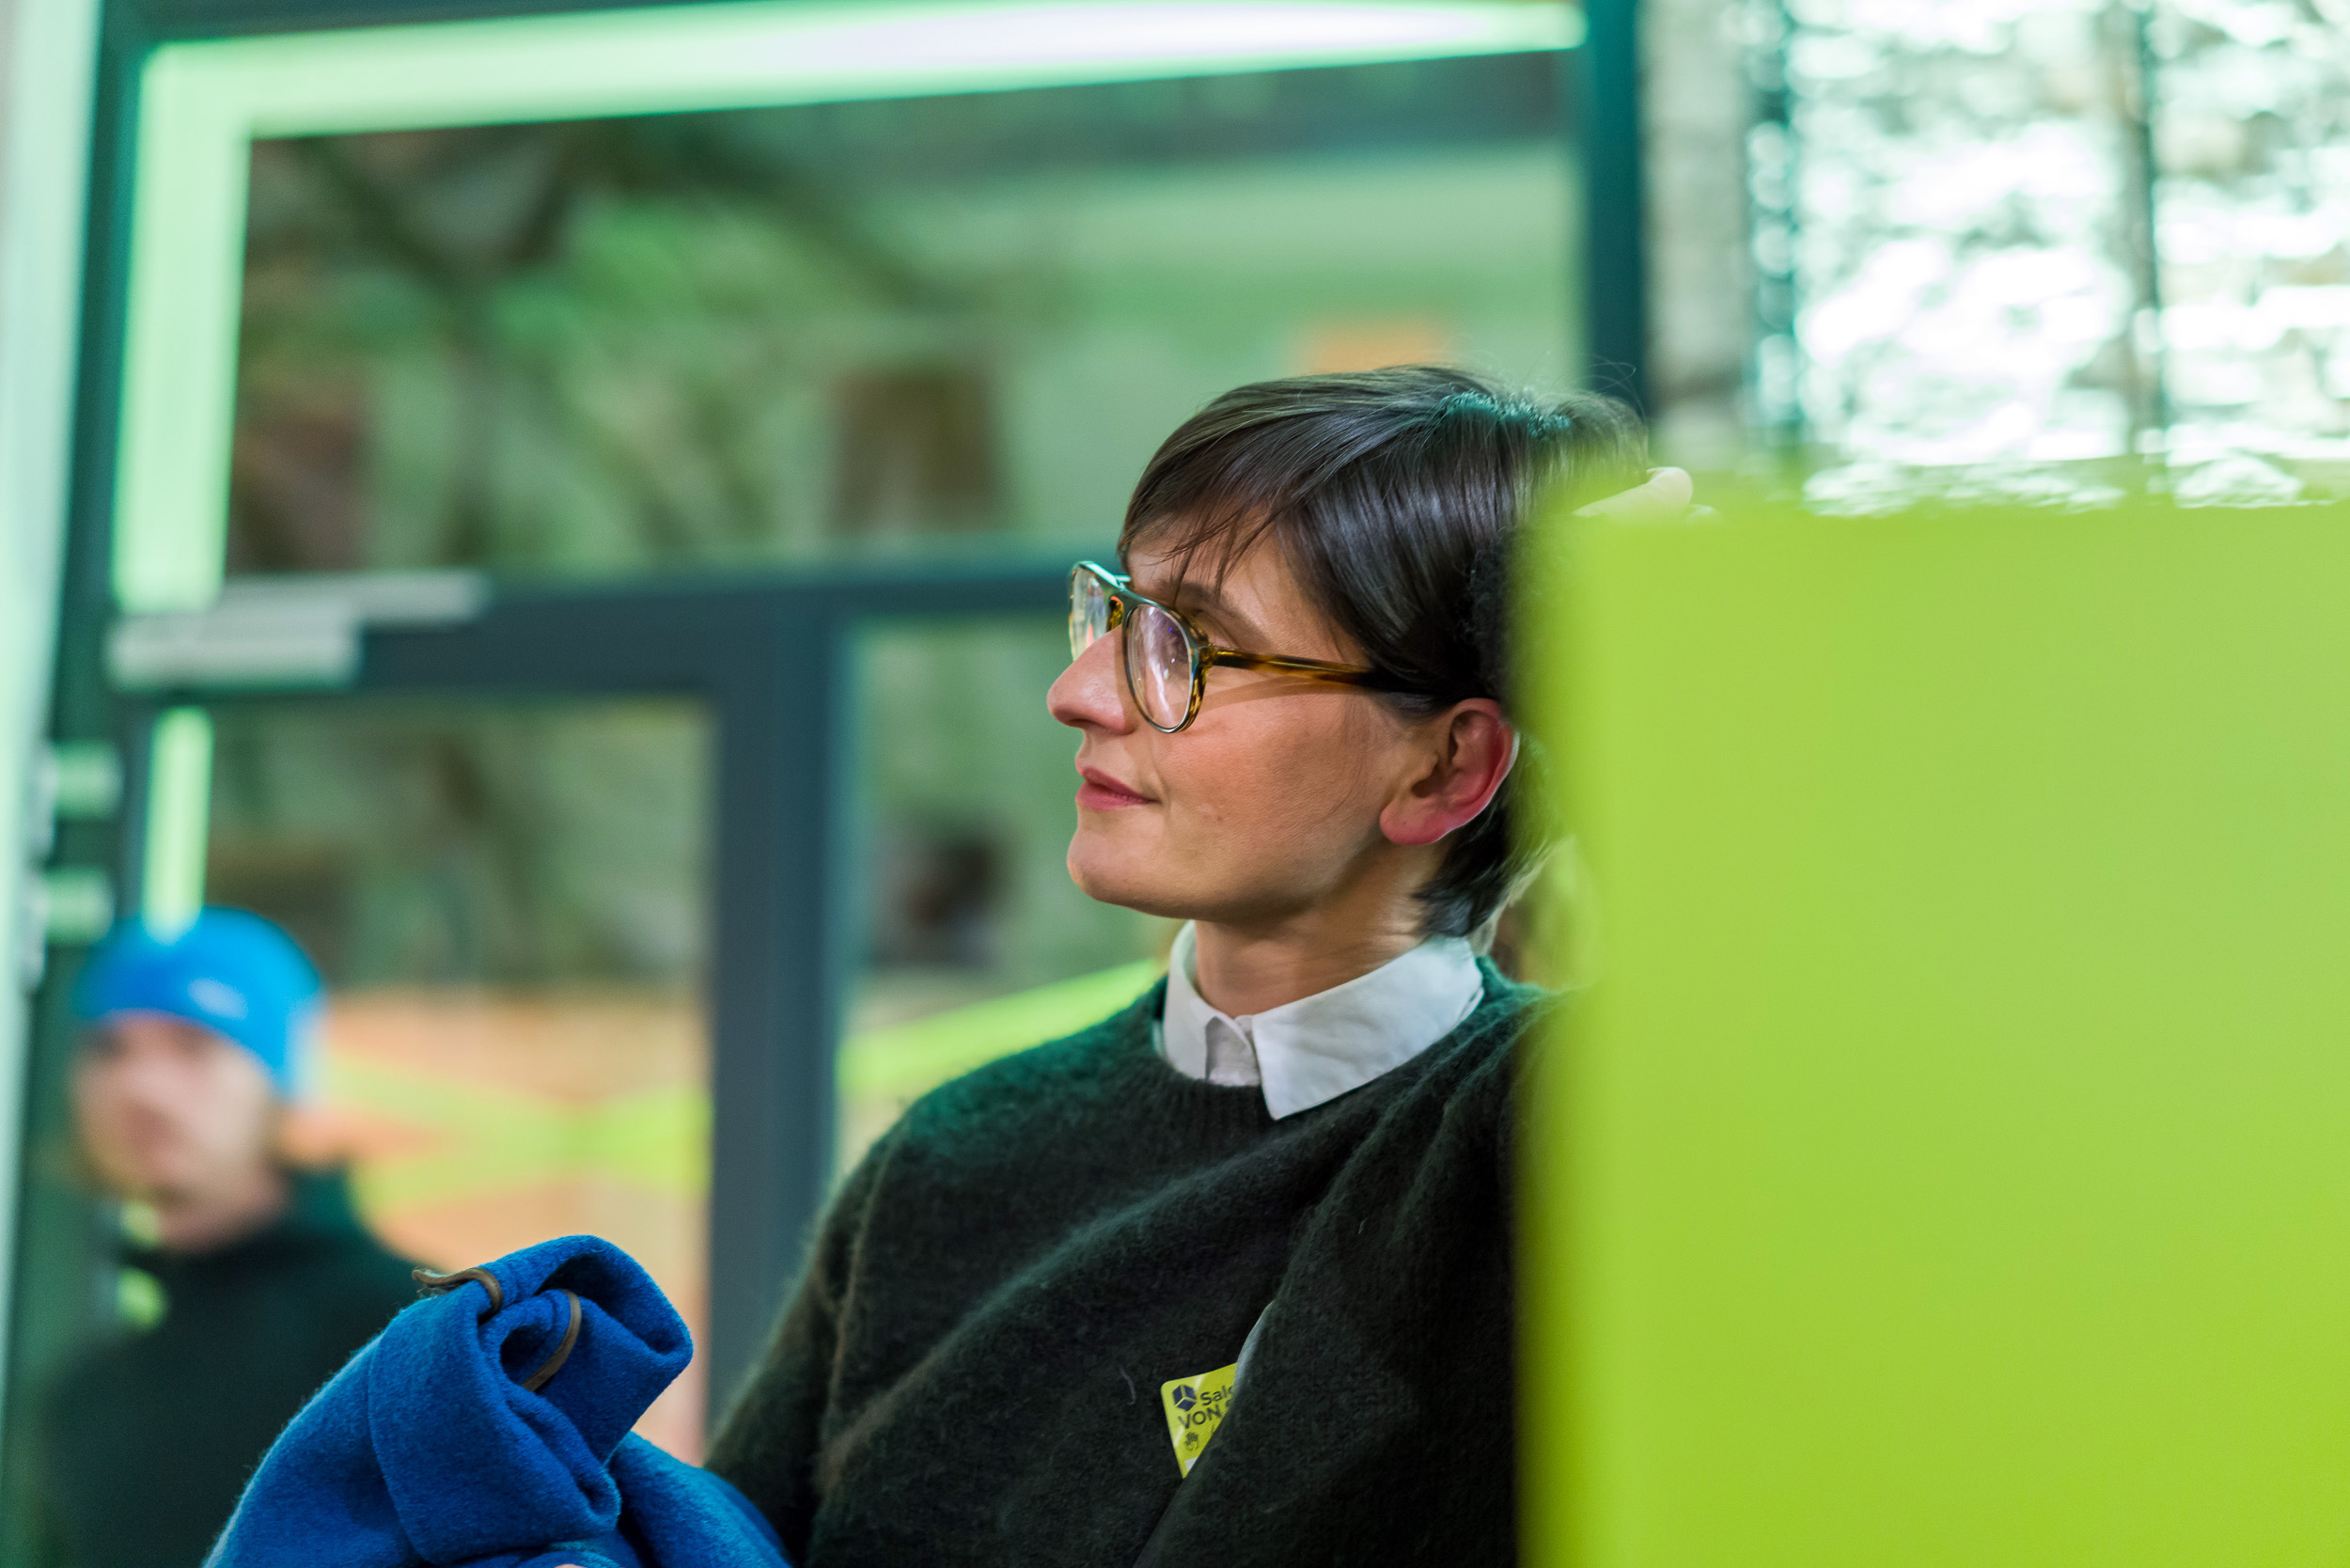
(1950,1161)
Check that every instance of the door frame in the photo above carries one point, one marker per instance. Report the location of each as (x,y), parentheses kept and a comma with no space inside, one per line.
(770,656)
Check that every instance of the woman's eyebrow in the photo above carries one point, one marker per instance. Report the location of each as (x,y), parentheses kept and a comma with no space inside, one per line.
(1205,602)
(1198,597)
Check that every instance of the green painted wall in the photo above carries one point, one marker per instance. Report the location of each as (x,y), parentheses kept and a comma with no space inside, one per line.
(1950,1162)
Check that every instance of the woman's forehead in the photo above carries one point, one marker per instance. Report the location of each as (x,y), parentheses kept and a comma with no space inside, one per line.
(1252,595)
(1253,581)
(1179,550)
(1203,542)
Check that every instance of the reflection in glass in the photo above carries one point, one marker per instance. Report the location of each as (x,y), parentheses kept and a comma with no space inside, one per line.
(977,942)
(786,334)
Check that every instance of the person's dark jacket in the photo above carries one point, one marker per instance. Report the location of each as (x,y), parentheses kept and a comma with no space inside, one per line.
(147,1437)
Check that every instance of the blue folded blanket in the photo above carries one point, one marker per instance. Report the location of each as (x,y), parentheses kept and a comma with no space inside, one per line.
(489,1426)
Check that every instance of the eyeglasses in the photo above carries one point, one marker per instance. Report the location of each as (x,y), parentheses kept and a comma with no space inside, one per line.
(1166,659)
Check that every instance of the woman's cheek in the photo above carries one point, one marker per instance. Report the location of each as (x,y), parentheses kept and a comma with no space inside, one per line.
(1200,785)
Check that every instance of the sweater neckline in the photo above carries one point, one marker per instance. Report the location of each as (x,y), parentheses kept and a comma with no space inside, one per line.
(1243,1105)
(1308,1052)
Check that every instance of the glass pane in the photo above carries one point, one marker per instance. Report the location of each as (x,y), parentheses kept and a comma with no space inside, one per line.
(508,905)
(790,334)
(1959,232)
(976,941)
(2253,140)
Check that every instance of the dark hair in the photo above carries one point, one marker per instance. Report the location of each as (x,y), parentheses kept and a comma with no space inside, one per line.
(1394,496)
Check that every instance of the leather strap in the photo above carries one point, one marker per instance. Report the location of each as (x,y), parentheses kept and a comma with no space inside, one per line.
(439,1284)
(553,1363)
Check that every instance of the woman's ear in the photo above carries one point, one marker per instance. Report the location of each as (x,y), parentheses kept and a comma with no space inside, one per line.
(1474,746)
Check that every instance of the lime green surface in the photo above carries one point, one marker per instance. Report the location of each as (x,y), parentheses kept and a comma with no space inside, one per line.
(1952,1164)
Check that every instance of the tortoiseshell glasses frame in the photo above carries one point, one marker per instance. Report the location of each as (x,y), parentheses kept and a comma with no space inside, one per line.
(1166,659)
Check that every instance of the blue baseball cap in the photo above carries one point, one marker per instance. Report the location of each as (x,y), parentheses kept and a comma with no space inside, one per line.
(234,973)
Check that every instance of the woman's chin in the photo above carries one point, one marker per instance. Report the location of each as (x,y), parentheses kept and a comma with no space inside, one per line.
(1090,867)
(1115,873)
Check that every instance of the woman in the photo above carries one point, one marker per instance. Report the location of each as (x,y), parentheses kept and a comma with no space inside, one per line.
(1277,1183)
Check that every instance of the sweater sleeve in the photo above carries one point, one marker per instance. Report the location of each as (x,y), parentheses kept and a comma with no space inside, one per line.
(767,1447)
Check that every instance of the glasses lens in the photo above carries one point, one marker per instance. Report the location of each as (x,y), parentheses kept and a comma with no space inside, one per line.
(1088,611)
(1158,666)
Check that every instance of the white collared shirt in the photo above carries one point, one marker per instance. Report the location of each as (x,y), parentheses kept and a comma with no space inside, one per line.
(1318,1048)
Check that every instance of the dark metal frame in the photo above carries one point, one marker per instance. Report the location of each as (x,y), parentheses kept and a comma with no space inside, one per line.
(770,656)
(1615,205)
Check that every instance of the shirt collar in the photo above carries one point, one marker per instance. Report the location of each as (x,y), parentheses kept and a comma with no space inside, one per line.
(1314,1049)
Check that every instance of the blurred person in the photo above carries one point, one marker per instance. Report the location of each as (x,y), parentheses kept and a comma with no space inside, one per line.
(1227,1276)
(192,1051)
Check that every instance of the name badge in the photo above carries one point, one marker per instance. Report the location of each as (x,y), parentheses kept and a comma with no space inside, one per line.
(1194,1408)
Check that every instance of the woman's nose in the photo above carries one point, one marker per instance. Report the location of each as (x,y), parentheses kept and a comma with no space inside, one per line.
(1088,695)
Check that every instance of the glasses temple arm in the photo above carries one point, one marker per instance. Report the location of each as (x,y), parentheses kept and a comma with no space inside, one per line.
(1352,674)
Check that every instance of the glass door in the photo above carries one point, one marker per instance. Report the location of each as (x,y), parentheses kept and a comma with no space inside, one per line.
(509,903)
(975,943)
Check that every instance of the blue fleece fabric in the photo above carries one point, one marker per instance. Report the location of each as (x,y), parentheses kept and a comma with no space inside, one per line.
(425,1448)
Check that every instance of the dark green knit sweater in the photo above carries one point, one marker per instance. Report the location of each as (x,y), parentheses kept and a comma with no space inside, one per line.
(971,1368)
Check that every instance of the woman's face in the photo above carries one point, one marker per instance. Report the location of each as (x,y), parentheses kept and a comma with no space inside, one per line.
(1270,803)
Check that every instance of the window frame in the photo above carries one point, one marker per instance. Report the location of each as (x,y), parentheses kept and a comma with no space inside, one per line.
(183,87)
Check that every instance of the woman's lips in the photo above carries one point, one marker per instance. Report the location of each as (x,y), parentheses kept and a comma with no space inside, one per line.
(1101,792)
